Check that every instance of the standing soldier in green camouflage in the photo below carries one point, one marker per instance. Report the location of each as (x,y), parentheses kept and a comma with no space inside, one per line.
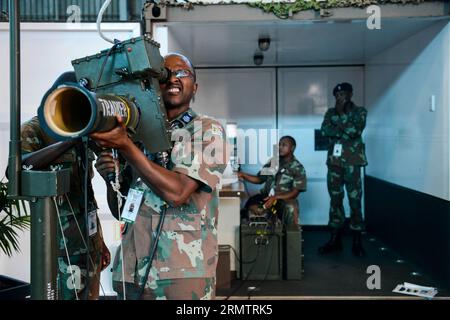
(41,152)
(282,186)
(182,198)
(344,125)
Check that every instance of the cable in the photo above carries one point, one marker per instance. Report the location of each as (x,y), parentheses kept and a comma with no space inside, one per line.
(268,266)
(86,211)
(116,184)
(236,254)
(65,247)
(116,188)
(116,43)
(82,237)
(99,20)
(254,263)
(164,160)
(248,274)
(271,235)
(121,259)
(153,251)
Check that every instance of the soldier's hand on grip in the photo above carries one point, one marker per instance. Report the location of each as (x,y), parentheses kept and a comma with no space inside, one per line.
(116,138)
(105,165)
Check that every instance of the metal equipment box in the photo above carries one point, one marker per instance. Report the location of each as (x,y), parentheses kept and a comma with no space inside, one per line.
(261,252)
(293,253)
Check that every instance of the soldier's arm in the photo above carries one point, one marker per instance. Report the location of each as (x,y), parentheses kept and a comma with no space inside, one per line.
(353,127)
(172,187)
(251,178)
(287,195)
(329,128)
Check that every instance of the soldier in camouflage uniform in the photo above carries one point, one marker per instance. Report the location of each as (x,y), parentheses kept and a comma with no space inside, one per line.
(185,194)
(283,186)
(343,125)
(71,210)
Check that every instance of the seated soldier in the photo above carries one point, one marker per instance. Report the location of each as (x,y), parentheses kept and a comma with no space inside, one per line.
(280,191)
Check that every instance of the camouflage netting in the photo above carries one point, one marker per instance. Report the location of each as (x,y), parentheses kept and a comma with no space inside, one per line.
(285,10)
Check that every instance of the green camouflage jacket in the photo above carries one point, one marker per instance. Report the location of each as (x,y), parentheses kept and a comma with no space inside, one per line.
(290,175)
(346,130)
(188,246)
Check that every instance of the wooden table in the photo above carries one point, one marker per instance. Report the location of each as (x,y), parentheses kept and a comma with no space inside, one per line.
(234,190)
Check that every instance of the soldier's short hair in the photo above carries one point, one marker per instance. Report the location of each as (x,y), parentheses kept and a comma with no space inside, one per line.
(291,140)
(184,58)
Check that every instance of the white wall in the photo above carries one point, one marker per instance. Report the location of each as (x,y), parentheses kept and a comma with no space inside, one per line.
(47,50)
(407,144)
(304,95)
(246,96)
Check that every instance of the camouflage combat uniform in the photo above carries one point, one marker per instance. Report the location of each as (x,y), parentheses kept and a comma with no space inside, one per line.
(346,168)
(34,139)
(290,175)
(184,266)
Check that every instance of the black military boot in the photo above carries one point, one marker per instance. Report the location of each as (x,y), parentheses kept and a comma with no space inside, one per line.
(334,244)
(357,247)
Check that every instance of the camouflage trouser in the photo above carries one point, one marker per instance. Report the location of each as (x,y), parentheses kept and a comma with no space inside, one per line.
(290,214)
(337,177)
(171,289)
(66,287)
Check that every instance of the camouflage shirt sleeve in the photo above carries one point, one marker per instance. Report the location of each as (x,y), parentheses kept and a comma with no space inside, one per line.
(203,156)
(329,128)
(353,124)
(31,135)
(261,176)
(348,126)
(299,182)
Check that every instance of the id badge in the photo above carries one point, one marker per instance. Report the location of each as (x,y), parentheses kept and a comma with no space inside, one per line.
(337,151)
(92,222)
(131,207)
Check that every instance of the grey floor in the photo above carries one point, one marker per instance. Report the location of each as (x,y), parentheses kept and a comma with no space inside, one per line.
(339,275)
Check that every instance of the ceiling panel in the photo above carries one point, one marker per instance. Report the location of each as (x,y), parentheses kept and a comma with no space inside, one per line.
(292,42)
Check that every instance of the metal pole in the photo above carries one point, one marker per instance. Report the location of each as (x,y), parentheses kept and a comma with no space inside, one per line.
(14,161)
(43,227)
(43,248)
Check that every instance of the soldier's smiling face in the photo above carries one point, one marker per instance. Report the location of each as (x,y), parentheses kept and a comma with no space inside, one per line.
(180,88)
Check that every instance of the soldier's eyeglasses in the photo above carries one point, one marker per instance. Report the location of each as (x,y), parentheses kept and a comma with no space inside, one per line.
(182,73)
